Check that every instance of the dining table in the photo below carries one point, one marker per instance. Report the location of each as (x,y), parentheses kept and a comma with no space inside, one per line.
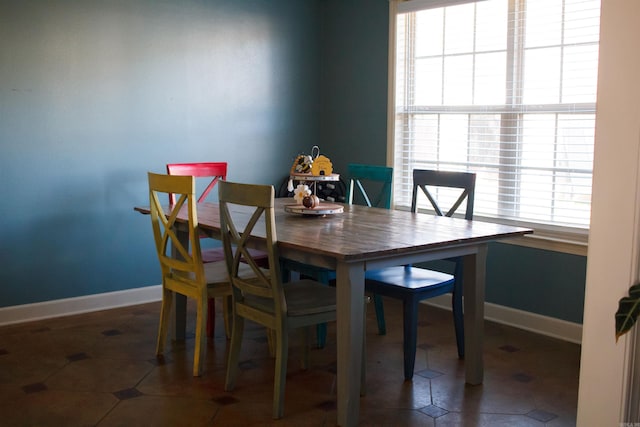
(363,238)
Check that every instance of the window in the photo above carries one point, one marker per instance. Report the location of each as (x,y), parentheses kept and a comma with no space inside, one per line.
(505,89)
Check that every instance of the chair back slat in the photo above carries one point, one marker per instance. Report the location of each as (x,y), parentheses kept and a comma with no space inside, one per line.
(246,210)
(216,171)
(179,260)
(373,183)
(430,181)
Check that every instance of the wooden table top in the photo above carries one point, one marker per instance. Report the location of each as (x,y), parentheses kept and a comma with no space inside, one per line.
(361,232)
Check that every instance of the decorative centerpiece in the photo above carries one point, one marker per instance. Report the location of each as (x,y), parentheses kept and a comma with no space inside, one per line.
(302,164)
(311,168)
(301,191)
(311,201)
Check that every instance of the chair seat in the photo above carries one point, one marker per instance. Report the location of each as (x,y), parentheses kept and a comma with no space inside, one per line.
(392,281)
(309,297)
(304,297)
(217,254)
(216,272)
(212,255)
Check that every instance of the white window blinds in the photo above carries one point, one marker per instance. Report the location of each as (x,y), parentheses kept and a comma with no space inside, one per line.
(505,89)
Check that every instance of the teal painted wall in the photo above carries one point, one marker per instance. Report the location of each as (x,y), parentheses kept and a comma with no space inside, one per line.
(354,81)
(543,282)
(94,93)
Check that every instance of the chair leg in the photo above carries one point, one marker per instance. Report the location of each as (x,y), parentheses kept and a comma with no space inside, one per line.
(211,317)
(410,320)
(201,336)
(271,342)
(379,305)
(321,335)
(458,317)
(234,352)
(285,273)
(282,345)
(165,319)
(321,328)
(227,309)
(305,347)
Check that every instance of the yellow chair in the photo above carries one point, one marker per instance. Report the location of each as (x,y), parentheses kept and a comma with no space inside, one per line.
(244,209)
(182,269)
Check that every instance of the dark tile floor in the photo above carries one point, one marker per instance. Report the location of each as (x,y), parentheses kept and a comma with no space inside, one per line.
(99,369)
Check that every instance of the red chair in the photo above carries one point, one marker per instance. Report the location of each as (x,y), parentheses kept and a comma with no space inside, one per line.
(215,171)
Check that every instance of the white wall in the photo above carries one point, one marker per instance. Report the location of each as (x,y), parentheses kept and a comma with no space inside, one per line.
(613,242)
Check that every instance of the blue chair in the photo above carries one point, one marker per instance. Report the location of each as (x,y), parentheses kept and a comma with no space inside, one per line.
(367,185)
(413,284)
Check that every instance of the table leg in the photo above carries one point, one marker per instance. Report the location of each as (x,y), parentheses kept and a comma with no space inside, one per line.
(179,307)
(179,313)
(350,312)
(474,288)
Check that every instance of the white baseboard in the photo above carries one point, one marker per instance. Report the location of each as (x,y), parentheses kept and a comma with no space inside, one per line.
(543,325)
(78,305)
(549,326)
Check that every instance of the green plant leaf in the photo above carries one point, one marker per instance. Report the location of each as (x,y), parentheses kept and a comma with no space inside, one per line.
(628,311)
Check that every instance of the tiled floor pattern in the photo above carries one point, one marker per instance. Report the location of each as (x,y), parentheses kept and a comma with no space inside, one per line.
(99,369)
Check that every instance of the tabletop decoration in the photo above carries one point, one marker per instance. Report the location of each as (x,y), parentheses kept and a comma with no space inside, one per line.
(302,164)
(301,191)
(317,170)
(321,166)
(312,167)
(311,201)
(319,210)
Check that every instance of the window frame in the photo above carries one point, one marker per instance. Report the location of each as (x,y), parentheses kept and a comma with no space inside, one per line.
(546,236)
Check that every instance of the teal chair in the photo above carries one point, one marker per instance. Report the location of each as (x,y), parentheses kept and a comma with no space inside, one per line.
(373,185)
(366,185)
(413,284)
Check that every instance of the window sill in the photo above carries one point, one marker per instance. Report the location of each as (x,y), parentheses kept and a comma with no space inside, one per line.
(550,243)
(556,239)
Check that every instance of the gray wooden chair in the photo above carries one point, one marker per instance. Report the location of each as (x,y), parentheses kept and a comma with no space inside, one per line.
(264,299)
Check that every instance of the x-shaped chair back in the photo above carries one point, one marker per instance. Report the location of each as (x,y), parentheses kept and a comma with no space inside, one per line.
(373,184)
(244,210)
(432,181)
(186,267)
(214,170)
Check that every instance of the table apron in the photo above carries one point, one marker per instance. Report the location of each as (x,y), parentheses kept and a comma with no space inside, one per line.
(370,263)
(374,263)
(413,258)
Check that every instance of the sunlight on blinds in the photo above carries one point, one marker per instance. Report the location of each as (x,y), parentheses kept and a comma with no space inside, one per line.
(506,89)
